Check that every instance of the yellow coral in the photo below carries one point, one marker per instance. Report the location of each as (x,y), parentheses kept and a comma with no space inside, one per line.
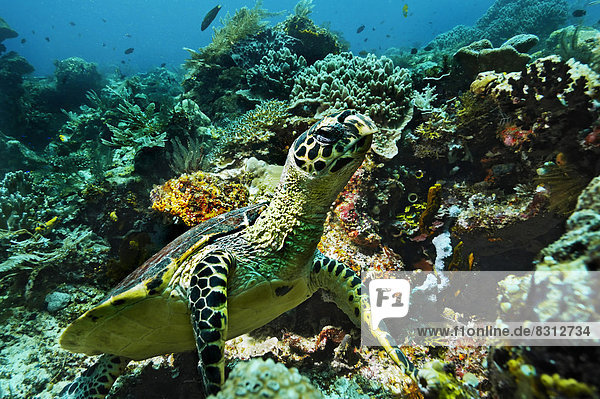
(556,386)
(197,197)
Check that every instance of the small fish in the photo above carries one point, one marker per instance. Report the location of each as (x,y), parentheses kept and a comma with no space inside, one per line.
(363,53)
(33,32)
(414,50)
(373,29)
(47,39)
(405,10)
(388,36)
(103,44)
(127,35)
(579,13)
(129,50)
(366,38)
(72,23)
(164,64)
(360,29)
(209,17)
(103,20)
(429,47)
(122,61)
(23,41)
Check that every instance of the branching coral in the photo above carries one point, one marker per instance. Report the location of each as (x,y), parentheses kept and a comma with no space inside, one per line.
(273,76)
(22,203)
(198,197)
(549,92)
(370,85)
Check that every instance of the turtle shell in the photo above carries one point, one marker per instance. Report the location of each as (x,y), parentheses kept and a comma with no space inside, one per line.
(138,319)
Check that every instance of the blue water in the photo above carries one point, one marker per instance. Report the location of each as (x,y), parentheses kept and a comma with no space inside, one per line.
(159,30)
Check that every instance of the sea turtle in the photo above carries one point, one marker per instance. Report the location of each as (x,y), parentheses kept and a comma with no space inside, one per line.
(235,272)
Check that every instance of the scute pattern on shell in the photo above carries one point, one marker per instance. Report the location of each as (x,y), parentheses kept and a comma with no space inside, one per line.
(221,224)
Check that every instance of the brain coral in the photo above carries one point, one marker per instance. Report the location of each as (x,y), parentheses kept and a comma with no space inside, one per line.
(370,85)
(258,379)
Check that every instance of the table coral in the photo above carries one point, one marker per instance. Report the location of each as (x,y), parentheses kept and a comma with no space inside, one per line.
(198,197)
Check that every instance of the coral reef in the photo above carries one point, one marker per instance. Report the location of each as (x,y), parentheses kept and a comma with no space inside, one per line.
(506,18)
(458,36)
(198,197)
(370,85)
(259,378)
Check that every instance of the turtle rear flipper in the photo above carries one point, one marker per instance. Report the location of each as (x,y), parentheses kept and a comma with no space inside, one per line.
(96,381)
(345,287)
(208,307)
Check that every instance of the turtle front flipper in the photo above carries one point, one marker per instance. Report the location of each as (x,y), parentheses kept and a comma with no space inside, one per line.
(345,287)
(208,306)
(95,382)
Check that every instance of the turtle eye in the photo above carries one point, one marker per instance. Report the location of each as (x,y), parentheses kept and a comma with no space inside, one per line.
(329,134)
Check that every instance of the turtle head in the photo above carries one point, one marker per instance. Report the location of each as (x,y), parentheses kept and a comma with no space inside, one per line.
(323,158)
(334,146)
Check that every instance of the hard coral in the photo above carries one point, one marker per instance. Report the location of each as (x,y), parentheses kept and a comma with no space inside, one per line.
(549,96)
(506,18)
(198,197)
(259,379)
(370,85)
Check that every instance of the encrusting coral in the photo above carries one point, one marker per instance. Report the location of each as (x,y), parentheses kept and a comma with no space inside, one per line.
(198,197)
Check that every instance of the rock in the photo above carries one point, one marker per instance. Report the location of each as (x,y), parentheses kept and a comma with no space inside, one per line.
(522,43)
(57,300)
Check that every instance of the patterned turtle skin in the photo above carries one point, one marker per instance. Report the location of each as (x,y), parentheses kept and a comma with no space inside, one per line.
(235,272)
